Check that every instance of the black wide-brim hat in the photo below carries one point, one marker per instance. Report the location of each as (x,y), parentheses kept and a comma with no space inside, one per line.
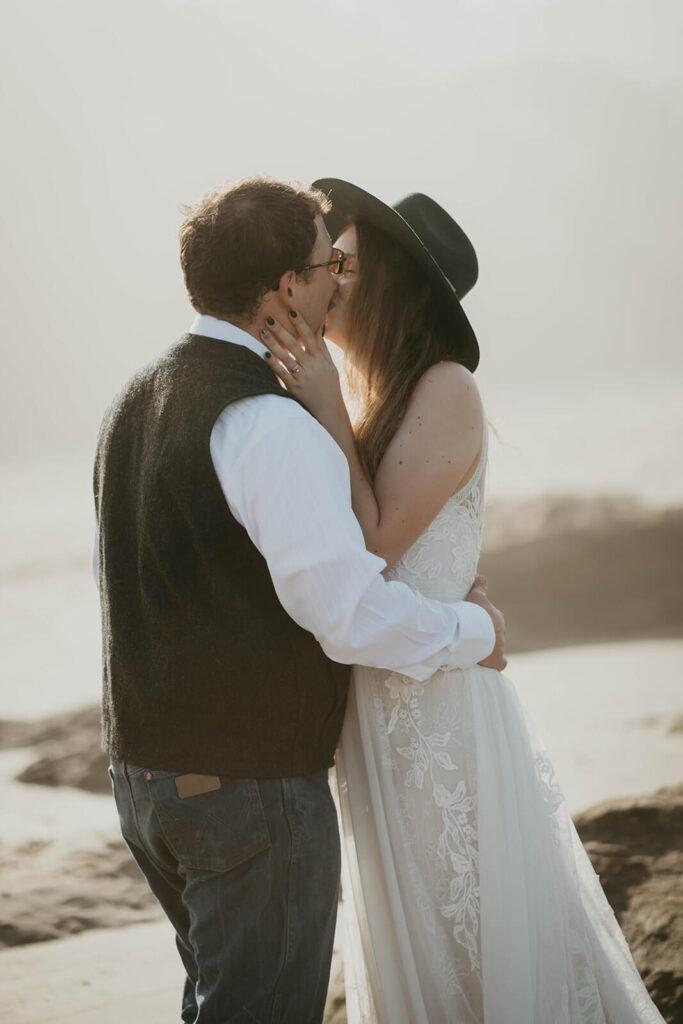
(438,245)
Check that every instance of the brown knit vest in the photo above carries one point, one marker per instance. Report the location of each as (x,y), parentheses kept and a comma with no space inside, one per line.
(203,669)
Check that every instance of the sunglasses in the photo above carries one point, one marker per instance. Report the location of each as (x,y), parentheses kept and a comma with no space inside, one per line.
(334,265)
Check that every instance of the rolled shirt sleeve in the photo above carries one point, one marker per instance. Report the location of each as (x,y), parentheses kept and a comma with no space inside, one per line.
(287,482)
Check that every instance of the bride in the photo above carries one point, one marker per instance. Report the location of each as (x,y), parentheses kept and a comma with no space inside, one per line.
(471,897)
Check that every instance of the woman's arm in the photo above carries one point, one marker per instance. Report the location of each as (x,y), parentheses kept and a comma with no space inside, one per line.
(432,454)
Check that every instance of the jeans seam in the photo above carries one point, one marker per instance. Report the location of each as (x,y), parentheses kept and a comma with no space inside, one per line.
(290,905)
(136,822)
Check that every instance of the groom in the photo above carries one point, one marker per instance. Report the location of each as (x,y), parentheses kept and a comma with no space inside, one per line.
(236,590)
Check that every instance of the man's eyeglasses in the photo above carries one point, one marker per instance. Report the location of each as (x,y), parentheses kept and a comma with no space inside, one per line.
(334,265)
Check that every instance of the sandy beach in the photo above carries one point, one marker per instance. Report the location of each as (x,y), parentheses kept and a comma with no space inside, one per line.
(78,919)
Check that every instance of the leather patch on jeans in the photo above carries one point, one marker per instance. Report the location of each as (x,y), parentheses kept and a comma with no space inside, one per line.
(195,785)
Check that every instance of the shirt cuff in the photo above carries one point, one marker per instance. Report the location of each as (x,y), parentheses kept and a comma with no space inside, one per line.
(475,639)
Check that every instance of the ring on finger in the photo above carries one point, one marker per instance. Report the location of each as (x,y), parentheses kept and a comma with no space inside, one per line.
(297,368)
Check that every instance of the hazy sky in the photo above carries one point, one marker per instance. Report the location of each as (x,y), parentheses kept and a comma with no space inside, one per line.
(551,129)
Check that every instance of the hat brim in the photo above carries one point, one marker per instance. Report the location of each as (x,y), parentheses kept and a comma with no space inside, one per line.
(351,203)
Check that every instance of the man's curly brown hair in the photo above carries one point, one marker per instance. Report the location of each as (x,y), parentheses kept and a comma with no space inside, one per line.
(236,243)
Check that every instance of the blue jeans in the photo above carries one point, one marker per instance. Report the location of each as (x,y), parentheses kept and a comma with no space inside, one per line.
(248,876)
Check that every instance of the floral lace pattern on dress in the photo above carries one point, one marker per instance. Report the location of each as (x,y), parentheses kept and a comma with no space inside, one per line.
(448,550)
(551,793)
(422,738)
(430,762)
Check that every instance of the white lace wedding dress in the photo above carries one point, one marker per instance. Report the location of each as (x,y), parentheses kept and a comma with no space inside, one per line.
(469,898)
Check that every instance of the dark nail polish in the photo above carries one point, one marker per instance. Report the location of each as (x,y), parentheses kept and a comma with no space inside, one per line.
(292,313)
(267,355)
(269,320)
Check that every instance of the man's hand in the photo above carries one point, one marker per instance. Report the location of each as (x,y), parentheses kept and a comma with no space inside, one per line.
(479,595)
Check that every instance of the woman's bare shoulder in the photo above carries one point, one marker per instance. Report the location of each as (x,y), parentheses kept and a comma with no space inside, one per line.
(447,392)
(447,374)
(431,456)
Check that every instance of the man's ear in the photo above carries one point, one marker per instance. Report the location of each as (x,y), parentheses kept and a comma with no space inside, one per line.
(285,289)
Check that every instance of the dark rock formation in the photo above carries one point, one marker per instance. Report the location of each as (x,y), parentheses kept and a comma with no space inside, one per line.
(335,1007)
(66,726)
(83,765)
(636,846)
(67,746)
(53,889)
(543,558)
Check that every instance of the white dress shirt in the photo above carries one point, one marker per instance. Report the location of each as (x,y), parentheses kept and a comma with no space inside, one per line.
(287,482)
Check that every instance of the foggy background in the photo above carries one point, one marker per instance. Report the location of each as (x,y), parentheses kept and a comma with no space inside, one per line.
(551,130)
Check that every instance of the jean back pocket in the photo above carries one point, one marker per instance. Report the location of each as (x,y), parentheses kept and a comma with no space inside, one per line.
(212,831)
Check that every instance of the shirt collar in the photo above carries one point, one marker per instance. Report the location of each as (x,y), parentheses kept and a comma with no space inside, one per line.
(222,330)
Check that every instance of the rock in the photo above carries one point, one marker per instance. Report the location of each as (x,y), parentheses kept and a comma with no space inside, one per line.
(65,726)
(16,734)
(540,558)
(68,747)
(82,764)
(335,1007)
(676,724)
(636,846)
(54,889)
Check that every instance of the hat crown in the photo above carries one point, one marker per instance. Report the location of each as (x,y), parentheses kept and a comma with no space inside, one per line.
(447,243)
(439,246)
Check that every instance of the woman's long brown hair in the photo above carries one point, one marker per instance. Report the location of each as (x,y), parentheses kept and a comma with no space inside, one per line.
(396,332)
